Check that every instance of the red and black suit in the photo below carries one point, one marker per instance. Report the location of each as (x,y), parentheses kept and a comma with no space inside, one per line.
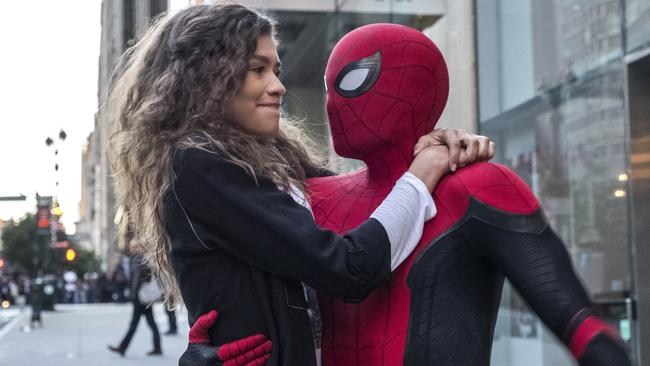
(387,86)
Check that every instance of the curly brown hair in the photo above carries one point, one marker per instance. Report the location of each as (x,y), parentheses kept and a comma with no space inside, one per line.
(170,92)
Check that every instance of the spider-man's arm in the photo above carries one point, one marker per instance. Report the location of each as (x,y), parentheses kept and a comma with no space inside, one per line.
(250,351)
(506,225)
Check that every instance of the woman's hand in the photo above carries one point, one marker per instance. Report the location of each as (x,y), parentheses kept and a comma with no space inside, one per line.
(430,164)
(464,147)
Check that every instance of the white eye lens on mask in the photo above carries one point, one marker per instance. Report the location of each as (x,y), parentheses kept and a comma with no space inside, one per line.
(358,77)
(354,79)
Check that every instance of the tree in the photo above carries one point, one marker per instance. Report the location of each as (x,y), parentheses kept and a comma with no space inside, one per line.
(19,243)
(86,261)
(24,249)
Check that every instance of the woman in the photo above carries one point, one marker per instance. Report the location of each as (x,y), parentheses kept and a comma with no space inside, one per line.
(217,186)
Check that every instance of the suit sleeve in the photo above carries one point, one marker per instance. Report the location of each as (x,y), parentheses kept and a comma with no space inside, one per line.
(251,219)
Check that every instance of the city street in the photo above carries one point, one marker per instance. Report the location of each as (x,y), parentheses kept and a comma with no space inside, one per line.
(76,335)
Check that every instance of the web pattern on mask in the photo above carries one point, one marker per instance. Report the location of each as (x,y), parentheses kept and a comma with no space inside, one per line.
(404,104)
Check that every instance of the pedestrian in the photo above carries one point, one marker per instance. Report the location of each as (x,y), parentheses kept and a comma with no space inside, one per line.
(24,284)
(139,276)
(103,288)
(36,299)
(119,284)
(6,293)
(218,187)
(70,287)
(171,321)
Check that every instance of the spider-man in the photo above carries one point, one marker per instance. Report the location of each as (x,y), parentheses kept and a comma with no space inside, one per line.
(386,87)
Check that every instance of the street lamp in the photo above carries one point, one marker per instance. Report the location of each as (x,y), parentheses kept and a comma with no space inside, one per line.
(51,212)
(49,142)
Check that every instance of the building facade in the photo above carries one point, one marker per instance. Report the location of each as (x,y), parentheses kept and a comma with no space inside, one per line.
(563,90)
(99,217)
(2,227)
(89,238)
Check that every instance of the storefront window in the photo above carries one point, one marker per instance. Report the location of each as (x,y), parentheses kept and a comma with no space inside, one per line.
(637,24)
(566,137)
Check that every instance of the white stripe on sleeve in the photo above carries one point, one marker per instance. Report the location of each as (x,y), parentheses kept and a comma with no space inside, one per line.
(403,213)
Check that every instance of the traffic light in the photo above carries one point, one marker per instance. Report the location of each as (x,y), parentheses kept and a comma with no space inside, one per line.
(70,255)
(43,219)
(43,214)
(2,263)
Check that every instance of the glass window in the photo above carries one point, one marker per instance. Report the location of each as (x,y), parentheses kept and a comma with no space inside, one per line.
(129,22)
(637,24)
(552,98)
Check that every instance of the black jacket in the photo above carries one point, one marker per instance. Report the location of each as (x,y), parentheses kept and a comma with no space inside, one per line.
(242,248)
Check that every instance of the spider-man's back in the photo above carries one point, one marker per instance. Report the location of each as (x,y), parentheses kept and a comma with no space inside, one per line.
(462,287)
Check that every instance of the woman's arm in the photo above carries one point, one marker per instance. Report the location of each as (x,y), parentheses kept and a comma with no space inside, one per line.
(248,217)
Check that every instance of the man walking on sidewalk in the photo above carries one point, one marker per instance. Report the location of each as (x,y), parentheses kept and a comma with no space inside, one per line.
(140,275)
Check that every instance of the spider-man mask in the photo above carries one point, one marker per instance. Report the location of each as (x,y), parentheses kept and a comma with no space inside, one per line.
(387,85)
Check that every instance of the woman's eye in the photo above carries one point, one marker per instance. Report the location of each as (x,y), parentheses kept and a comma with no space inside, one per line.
(257,70)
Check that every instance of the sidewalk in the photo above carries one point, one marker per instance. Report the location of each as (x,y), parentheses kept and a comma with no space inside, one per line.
(77,335)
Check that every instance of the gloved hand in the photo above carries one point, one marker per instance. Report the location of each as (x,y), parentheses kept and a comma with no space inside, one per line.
(250,351)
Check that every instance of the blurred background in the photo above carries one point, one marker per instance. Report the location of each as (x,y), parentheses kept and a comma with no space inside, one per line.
(561,86)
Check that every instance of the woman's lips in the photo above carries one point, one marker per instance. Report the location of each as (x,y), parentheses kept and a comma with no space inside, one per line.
(270,105)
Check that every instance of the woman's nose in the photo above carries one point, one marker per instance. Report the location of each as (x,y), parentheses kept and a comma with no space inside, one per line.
(276,87)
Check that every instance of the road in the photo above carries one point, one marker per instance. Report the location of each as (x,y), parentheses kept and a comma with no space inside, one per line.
(76,335)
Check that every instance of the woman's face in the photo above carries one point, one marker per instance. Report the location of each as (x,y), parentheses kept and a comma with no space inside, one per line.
(256,107)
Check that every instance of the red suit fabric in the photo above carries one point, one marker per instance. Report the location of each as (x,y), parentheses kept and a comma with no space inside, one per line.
(250,351)
(400,99)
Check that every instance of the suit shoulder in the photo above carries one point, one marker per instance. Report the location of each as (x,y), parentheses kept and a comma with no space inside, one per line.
(492,184)
(323,187)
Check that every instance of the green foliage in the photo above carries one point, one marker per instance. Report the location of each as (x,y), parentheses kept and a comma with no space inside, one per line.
(27,252)
(20,243)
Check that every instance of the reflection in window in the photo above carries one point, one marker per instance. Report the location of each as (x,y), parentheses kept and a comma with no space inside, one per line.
(637,24)
(565,136)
